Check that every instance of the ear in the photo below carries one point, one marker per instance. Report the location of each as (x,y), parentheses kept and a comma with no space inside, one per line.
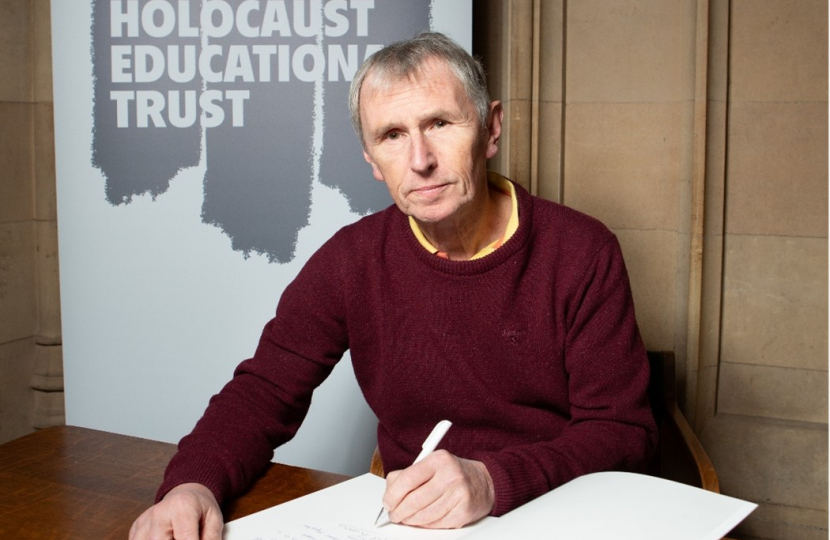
(494,122)
(375,170)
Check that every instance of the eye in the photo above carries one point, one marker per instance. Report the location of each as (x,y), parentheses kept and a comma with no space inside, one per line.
(440,123)
(393,135)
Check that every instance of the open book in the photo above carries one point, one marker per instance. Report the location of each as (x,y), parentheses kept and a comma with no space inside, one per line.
(597,506)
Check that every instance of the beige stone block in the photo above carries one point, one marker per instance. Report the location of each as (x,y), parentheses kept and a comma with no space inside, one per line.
(715,189)
(16,395)
(622,163)
(711,301)
(683,307)
(16,186)
(713,217)
(686,166)
(505,43)
(15,42)
(44,162)
(785,523)
(48,284)
(718,51)
(18,296)
(775,302)
(42,51)
(48,370)
(628,51)
(773,463)
(778,50)
(777,169)
(551,41)
(47,383)
(650,260)
(514,146)
(705,396)
(518,50)
(549,150)
(773,392)
(48,409)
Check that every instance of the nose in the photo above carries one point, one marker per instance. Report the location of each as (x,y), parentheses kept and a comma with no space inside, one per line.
(422,159)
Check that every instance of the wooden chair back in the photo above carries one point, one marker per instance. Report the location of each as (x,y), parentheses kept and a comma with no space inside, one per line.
(680,455)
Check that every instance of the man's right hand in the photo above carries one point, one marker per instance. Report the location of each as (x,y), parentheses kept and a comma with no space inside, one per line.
(187,512)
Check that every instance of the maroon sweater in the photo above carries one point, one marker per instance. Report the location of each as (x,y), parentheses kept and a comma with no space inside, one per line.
(532,352)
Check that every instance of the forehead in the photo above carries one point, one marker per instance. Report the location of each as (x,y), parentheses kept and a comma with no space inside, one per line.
(432,80)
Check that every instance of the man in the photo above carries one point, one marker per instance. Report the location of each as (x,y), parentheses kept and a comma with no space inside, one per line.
(468,300)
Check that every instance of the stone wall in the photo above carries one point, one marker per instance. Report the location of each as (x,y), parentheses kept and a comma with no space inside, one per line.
(31,375)
(697,131)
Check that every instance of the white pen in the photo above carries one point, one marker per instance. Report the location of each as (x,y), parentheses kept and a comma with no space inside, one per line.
(427,448)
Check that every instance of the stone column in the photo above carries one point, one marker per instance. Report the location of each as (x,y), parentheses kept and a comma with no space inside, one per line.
(47,381)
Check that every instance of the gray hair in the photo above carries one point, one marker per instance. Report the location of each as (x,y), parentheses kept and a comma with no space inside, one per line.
(404,58)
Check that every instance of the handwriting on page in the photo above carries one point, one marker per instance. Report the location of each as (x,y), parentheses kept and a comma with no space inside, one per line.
(346,511)
(341,531)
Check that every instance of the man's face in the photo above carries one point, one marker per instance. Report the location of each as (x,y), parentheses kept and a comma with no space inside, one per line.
(423,138)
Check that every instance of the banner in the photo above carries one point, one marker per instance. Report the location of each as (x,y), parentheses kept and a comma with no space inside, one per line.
(204,151)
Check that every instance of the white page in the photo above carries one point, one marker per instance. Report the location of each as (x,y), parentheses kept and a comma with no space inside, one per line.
(346,511)
(622,506)
(598,506)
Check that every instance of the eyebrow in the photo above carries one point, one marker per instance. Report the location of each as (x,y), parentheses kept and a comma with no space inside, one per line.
(378,133)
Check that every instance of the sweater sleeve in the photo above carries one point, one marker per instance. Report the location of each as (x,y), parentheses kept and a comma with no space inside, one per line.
(269,395)
(611,425)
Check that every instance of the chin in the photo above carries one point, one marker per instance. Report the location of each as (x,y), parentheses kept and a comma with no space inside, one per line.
(433,213)
(430,217)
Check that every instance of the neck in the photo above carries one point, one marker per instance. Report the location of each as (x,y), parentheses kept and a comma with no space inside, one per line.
(465,235)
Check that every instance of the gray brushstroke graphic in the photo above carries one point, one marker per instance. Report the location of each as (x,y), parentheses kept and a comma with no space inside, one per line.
(135,161)
(257,186)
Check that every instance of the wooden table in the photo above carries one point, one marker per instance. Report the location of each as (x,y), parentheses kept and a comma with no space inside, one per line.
(77,483)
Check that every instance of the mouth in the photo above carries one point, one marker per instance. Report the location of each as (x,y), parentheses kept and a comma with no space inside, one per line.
(427,191)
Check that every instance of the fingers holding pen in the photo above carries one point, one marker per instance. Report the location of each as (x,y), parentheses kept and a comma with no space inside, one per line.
(442,491)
